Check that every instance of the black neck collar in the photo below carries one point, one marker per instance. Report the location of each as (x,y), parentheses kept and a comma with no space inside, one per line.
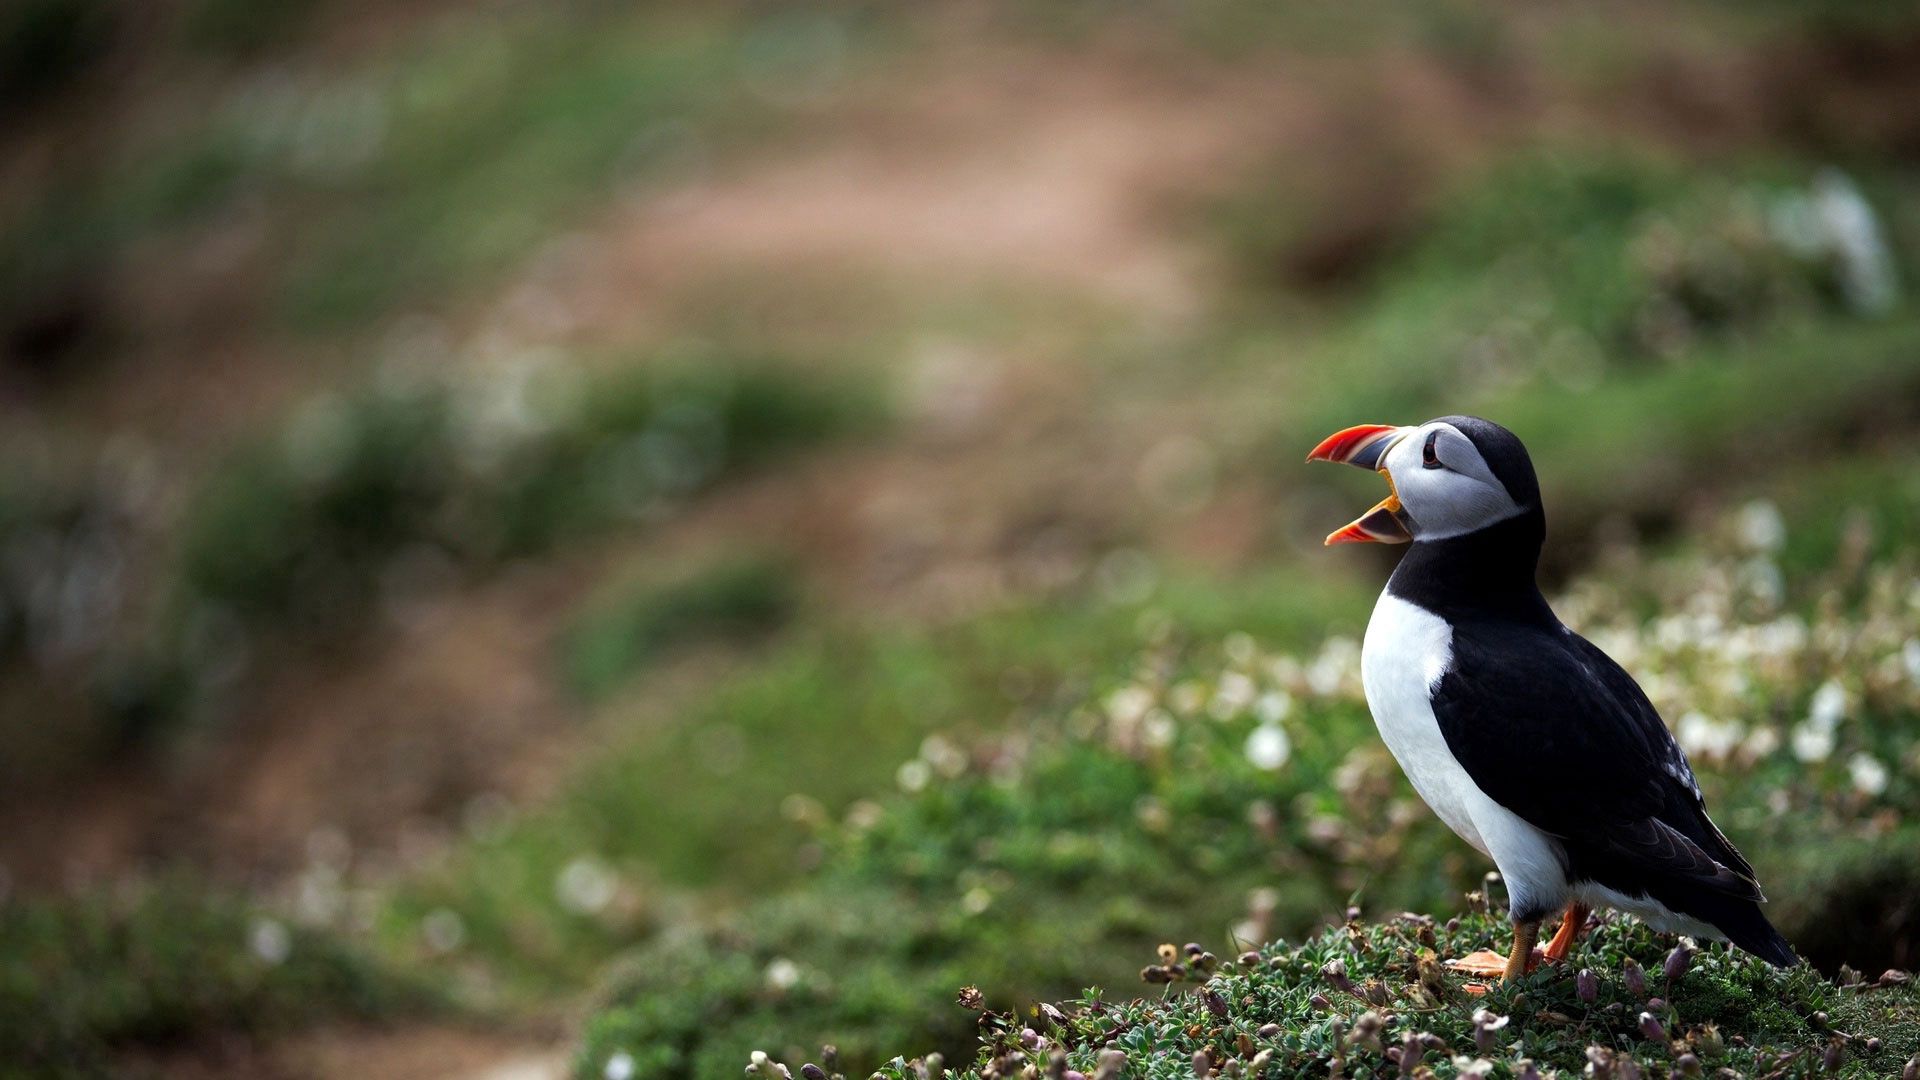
(1487,573)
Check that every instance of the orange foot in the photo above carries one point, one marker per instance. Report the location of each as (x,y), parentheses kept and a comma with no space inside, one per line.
(1571,925)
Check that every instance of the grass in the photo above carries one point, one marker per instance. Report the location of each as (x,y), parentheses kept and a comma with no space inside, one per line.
(730,600)
(740,778)
(364,500)
(1151,806)
(1641,325)
(85,978)
(1280,1011)
(362,496)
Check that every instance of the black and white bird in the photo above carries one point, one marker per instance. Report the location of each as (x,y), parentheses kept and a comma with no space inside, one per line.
(1526,739)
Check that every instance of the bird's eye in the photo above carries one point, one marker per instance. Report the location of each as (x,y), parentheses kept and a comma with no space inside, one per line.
(1428,458)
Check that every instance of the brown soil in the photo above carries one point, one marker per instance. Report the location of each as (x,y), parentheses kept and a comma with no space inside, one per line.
(427,1052)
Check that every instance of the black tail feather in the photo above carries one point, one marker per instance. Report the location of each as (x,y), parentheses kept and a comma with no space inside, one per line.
(1747,927)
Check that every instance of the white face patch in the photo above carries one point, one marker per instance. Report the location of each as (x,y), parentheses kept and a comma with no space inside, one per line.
(1458,496)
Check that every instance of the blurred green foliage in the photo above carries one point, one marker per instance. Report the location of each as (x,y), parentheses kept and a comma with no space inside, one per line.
(1640,325)
(483,472)
(81,977)
(706,798)
(730,600)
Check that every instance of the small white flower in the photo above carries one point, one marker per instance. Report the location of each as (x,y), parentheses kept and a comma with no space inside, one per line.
(976,900)
(1869,774)
(946,758)
(1158,729)
(619,1066)
(1241,648)
(1764,581)
(1828,707)
(1713,739)
(759,1064)
(1855,236)
(913,775)
(864,814)
(1760,742)
(1187,697)
(1233,696)
(1128,704)
(1760,526)
(782,973)
(270,941)
(1268,747)
(1275,705)
(1339,658)
(1812,743)
(585,885)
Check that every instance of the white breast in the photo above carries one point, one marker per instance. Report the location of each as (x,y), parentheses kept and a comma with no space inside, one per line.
(1407,650)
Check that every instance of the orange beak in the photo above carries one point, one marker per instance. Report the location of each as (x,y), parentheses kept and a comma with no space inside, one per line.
(1366,446)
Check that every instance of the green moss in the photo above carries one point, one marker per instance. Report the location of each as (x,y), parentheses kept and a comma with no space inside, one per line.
(1278,1013)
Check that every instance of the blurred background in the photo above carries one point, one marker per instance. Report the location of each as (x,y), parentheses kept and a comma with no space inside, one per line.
(585,537)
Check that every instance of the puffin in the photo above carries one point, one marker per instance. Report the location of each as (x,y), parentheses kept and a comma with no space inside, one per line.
(1534,746)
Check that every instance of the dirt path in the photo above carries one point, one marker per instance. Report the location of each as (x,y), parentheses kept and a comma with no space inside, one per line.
(406,1052)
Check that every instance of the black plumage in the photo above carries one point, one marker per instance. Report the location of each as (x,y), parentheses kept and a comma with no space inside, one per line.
(1554,730)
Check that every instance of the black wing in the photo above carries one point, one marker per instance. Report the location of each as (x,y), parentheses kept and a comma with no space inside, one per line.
(1552,729)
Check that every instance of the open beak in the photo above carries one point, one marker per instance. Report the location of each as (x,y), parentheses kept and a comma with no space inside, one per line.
(1366,446)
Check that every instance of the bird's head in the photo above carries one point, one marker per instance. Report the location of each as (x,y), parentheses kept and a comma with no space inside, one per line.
(1447,477)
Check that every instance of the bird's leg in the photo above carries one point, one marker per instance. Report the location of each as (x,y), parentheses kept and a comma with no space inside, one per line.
(1520,960)
(1489,964)
(1571,924)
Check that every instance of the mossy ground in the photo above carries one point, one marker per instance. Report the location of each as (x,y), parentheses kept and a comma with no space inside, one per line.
(1372,999)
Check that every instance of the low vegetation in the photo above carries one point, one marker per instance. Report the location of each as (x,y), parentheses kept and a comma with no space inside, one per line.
(1234,794)
(1640,323)
(1371,1000)
(364,500)
(82,978)
(735,600)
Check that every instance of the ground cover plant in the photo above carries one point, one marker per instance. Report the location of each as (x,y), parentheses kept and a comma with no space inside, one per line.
(360,499)
(1372,999)
(1231,794)
(1622,309)
(171,961)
